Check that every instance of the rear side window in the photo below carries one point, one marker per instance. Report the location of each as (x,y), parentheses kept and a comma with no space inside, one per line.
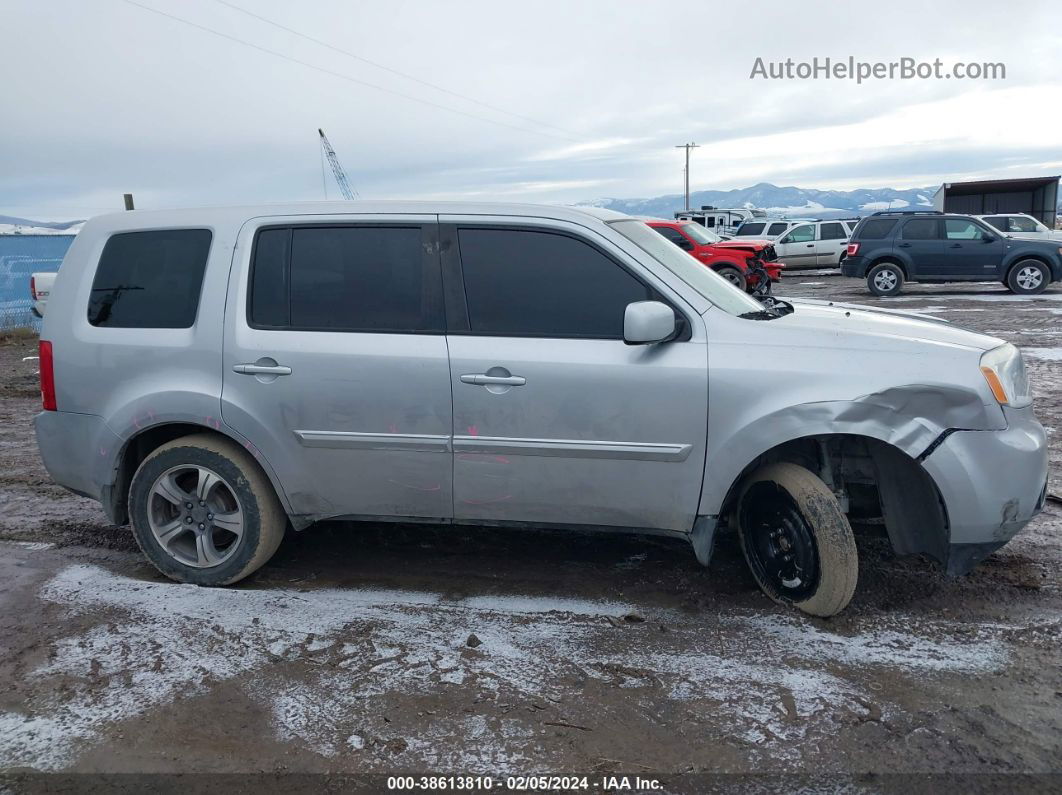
(346,278)
(149,279)
(998,221)
(921,229)
(876,228)
(751,229)
(776,229)
(832,231)
(541,284)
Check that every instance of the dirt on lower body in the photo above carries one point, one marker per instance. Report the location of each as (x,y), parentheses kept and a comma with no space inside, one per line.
(388,649)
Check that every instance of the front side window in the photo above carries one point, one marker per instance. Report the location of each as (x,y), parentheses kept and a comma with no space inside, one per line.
(958,229)
(345,278)
(150,279)
(800,234)
(832,231)
(543,284)
(921,229)
(748,230)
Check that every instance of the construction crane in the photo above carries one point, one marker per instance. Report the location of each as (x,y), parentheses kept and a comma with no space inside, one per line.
(341,178)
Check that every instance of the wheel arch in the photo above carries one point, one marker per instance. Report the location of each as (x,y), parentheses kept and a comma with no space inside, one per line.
(876,481)
(1020,258)
(893,259)
(146,440)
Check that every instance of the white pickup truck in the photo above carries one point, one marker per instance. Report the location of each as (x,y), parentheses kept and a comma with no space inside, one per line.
(40,287)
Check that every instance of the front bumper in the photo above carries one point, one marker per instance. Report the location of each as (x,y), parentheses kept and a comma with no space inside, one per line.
(992,484)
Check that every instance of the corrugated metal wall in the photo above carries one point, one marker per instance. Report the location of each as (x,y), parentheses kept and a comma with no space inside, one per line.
(21,256)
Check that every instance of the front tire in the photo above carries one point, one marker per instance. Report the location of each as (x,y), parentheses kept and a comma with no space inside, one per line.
(203,512)
(734,276)
(885,279)
(1028,277)
(796,540)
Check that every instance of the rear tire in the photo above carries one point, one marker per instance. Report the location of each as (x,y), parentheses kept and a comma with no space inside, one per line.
(1028,277)
(203,512)
(885,279)
(796,540)
(733,275)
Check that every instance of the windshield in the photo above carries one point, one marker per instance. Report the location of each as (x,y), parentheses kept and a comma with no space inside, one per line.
(699,234)
(702,279)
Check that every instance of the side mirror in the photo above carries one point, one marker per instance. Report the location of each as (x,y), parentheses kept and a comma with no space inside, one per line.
(646,322)
(987,238)
(786,239)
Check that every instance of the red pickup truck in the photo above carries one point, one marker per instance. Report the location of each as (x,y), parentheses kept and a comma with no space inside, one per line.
(731,259)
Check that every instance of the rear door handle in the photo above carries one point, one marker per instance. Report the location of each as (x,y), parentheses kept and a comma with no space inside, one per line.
(261,369)
(903,245)
(482,379)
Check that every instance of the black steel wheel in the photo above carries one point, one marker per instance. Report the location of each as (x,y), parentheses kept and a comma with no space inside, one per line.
(796,540)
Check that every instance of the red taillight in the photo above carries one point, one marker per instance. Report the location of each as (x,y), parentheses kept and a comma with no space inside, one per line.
(47,376)
(33,289)
(853,249)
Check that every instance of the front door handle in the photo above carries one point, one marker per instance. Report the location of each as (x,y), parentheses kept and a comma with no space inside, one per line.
(903,245)
(955,245)
(482,379)
(261,369)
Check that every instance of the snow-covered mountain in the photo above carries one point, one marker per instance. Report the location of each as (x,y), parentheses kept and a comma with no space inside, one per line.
(788,201)
(10,225)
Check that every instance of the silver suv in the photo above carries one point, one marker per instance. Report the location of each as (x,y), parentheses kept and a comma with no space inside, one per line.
(214,376)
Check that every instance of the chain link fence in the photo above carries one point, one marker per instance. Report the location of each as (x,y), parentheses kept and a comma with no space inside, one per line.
(20,257)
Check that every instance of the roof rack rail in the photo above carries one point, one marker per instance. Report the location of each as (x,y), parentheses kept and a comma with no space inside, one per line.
(908,212)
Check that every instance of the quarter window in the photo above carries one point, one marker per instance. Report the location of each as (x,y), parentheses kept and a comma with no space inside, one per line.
(543,284)
(875,229)
(345,278)
(149,279)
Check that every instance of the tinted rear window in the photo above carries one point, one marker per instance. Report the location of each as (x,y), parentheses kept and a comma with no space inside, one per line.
(526,283)
(776,229)
(149,279)
(751,229)
(349,278)
(876,228)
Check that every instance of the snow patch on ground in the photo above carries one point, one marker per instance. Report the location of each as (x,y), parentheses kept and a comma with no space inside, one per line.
(326,663)
(1046,354)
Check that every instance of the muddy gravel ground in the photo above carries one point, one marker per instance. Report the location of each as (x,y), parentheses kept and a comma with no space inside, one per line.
(410,649)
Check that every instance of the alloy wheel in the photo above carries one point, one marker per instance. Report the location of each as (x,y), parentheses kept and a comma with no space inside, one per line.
(195,516)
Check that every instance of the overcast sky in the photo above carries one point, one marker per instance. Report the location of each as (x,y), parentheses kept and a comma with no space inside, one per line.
(540,101)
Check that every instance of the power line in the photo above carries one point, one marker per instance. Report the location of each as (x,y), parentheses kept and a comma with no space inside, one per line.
(342,76)
(386,68)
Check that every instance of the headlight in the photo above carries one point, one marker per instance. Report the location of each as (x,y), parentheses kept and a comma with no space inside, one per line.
(1004,371)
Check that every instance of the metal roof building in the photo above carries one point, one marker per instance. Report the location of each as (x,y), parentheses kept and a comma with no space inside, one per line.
(21,256)
(1037,196)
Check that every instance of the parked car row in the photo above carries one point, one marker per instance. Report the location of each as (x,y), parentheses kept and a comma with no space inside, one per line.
(734,260)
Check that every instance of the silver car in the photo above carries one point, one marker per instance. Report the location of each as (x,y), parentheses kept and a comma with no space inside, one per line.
(214,376)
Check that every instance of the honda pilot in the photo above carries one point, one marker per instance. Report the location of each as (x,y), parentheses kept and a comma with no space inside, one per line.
(214,377)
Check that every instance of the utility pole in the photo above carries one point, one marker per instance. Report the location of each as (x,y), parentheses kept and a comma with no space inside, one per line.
(686,173)
(128,200)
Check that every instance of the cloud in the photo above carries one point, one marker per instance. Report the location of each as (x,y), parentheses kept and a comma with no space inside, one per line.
(105,98)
